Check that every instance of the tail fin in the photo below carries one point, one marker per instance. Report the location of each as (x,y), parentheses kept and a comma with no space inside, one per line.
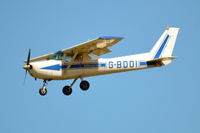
(165,45)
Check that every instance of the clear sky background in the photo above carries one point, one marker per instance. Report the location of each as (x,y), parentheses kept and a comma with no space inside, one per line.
(159,100)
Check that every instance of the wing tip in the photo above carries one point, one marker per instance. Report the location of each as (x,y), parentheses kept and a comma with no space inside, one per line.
(110,37)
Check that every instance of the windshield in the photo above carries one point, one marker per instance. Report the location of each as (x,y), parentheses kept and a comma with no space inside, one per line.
(57,56)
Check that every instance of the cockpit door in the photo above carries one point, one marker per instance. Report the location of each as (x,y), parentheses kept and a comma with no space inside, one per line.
(75,70)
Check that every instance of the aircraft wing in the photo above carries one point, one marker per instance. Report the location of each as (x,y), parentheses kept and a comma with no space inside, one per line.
(97,47)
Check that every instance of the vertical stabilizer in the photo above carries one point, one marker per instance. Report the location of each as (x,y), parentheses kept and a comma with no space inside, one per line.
(165,45)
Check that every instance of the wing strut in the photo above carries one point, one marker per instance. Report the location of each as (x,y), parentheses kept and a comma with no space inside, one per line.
(71,62)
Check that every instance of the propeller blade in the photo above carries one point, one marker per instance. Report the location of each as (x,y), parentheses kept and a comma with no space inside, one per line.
(28,58)
(27,63)
(25,77)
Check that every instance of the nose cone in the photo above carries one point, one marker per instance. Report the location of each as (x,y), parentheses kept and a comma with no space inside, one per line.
(27,67)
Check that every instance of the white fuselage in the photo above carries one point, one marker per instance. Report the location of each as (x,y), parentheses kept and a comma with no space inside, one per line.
(75,62)
(55,69)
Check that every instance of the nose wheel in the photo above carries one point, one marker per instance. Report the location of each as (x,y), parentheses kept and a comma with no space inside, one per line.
(43,90)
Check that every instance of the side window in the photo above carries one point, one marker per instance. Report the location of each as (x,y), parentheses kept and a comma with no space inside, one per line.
(79,59)
(68,58)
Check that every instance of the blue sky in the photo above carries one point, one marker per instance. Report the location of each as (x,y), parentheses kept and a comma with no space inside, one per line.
(164,99)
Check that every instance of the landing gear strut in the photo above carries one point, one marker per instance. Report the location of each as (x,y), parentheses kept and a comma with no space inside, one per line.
(67,90)
(43,90)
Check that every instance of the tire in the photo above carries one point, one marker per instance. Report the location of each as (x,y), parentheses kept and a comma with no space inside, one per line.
(84,85)
(67,90)
(43,91)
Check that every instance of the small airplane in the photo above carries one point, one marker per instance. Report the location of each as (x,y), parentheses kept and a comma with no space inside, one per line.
(83,60)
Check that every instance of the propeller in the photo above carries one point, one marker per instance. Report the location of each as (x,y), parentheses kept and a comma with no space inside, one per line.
(27,66)
(28,58)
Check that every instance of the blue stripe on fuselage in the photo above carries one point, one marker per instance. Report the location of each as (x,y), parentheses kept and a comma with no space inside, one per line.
(57,67)
(53,67)
(161,48)
(143,63)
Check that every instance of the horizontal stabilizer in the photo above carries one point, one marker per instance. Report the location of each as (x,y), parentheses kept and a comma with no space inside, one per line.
(162,59)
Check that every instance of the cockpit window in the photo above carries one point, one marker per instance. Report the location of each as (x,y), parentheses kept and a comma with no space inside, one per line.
(57,56)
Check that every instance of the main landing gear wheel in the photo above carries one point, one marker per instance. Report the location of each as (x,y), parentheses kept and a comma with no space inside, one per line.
(84,85)
(43,91)
(67,90)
